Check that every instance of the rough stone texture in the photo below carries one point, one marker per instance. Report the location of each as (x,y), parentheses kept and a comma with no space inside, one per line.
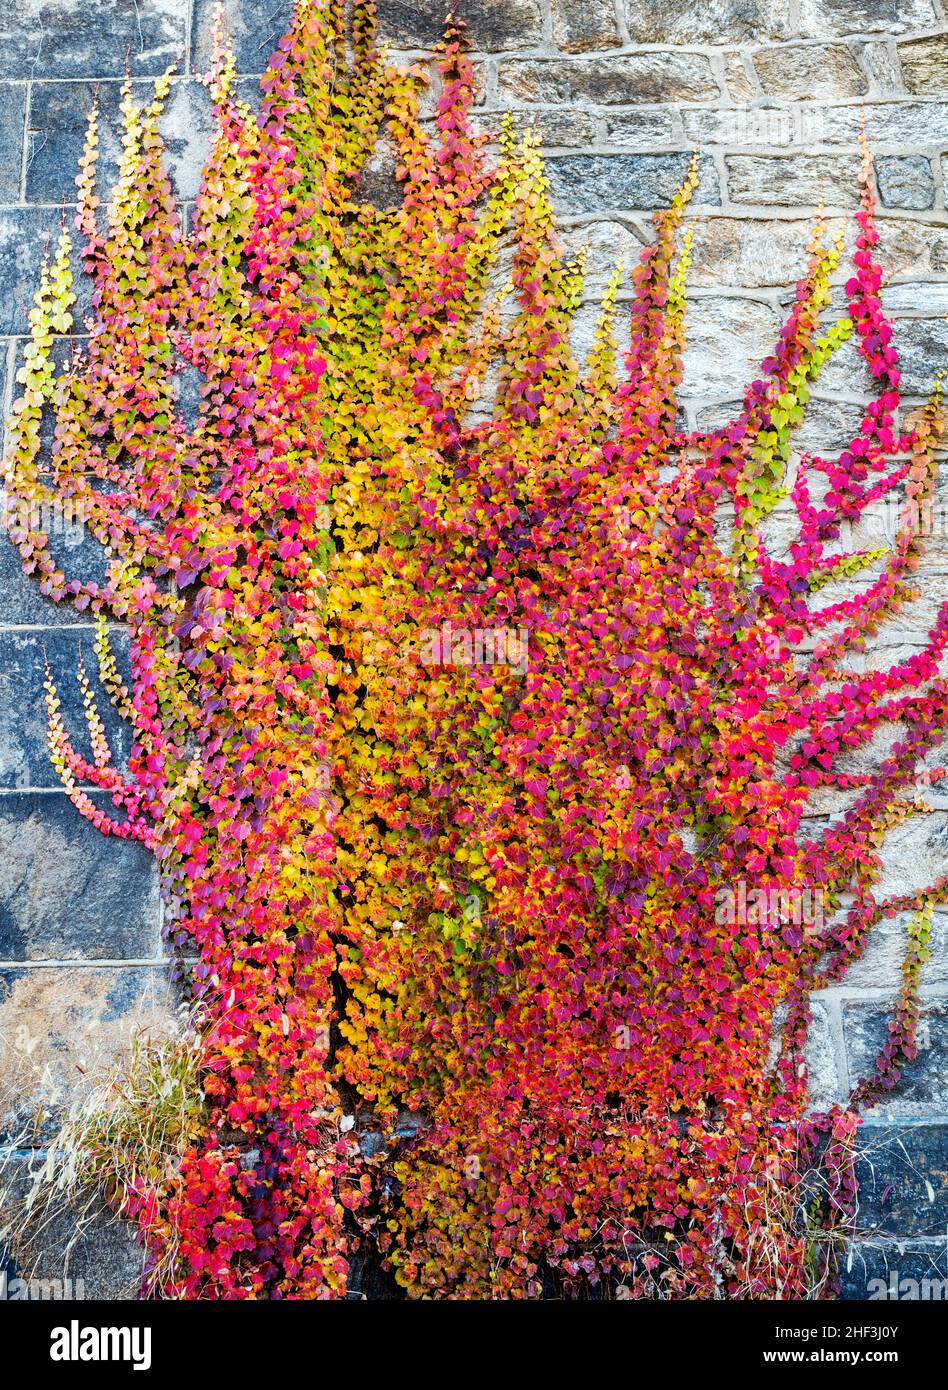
(808,72)
(492,24)
(925,65)
(24,757)
(67,891)
(716,21)
(771,93)
(61,1028)
(896,1270)
(820,17)
(595,183)
(77,1256)
(793,180)
(906,183)
(903,1179)
(580,25)
(257,26)
(619,81)
(923,1086)
(39,39)
(58,114)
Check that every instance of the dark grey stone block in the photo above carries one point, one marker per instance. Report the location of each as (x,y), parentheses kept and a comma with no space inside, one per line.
(256,27)
(913,1271)
(24,755)
(12,120)
(903,1179)
(923,1086)
(59,38)
(596,183)
(78,553)
(923,351)
(492,24)
(25,233)
(73,1257)
(59,113)
(68,891)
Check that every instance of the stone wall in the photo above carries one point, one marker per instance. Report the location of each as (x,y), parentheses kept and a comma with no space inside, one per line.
(772,94)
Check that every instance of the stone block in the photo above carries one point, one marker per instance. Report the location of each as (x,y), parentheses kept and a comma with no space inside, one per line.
(792,181)
(912,1271)
(925,65)
(24,235)
(923,1086)
(581,25)
(600,183)
(905,182)
(624,80)
(818,18)
(808,72)
(62,1029)
(73,1253)
(23,719)
(716,22)
(256,27)
(903,1179)
(58,114)
(12,121)
(60,38)
(727,339)
(493,25)
(66,890)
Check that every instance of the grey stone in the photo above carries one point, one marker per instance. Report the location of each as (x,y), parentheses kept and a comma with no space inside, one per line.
(624,80)
(77,552)
(642,129)
(57,38)
(555,126)
(597,183)
(881,62)
(905,183)
(12,119)
(23,719)
(923,1085)
(740,84)
(579,25)
(71,1254)
(902,1173)
(889,124)
(66,890)
(719,21)
(825,1085)
(256,27)
(923,351)
(604,243)
(792,181)
(58,115)
(925,65)
(63,1028)
(24,235)
(493,25)
(810,71)
(897,1271)
(820,17)
(748,252)
(727,339)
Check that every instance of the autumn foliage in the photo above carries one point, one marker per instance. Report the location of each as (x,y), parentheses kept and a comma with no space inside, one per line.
(471,1009)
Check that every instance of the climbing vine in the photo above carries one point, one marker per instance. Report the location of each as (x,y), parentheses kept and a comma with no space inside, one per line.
(475,718)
